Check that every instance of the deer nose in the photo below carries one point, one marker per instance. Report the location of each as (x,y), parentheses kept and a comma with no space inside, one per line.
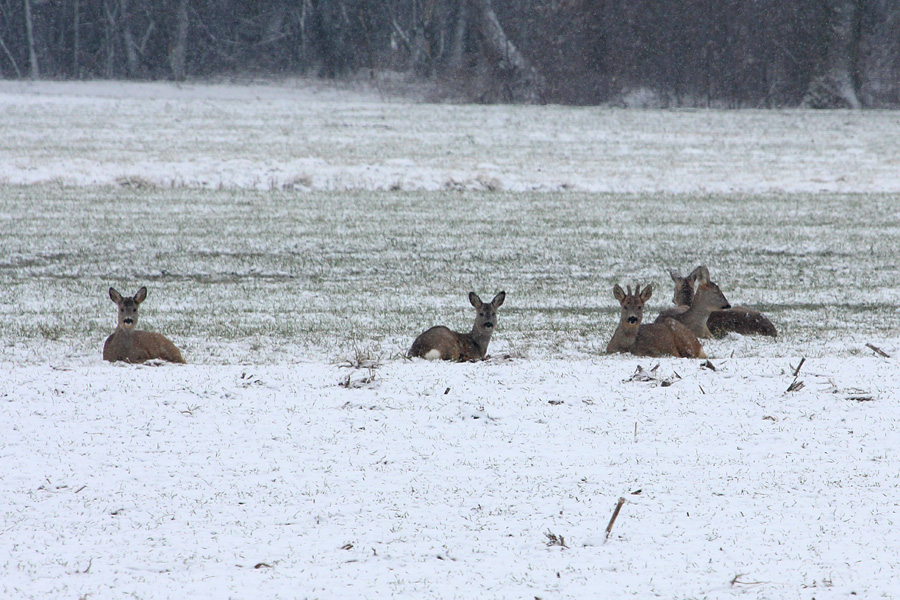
(632,320)
(488,324)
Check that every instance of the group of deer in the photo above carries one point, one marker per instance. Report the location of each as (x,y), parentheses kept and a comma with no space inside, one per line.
(128,344)
(701,310)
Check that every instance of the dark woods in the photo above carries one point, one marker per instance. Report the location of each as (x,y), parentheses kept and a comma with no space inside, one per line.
(724,53)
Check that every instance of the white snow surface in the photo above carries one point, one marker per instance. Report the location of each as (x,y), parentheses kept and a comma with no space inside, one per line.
(307,135)
(306,478)
(444,480)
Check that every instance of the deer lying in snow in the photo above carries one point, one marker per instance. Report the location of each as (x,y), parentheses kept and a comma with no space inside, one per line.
(130,345)
(665,338)
(738,319)
(708,299)
(441,343)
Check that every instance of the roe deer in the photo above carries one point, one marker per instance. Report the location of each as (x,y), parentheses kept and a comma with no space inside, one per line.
(707,299)
(738,319)
(133,346)
(684,287)
(668,337)
(440,342)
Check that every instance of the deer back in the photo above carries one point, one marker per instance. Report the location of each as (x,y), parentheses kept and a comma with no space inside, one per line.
(667,338)
(139,347)
(441,343)
(739,319)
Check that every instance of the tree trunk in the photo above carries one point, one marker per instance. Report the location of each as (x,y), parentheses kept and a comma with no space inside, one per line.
(179,45)
(422,50)
(458,46)
(76,41)
(522,81)
(879,56)
(275,24)
(306,52)
(834,86)
(34,72)
(109,39)
(12,59)
(131,56)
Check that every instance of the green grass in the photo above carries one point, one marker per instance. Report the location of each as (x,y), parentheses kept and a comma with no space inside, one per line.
(318,273)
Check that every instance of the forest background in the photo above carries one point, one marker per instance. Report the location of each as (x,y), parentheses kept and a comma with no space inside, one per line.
(650,53)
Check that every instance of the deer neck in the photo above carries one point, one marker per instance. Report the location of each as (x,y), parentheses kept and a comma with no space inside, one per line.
(125,332)
(696,316)
(481,337)
(624,338)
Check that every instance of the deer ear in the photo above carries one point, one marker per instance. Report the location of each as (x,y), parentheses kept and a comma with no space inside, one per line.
(619,293)
(114,295)
(141,295)
(498,299)
(675,275)
(475,300)
(701,274)
(647,292)
(695,274)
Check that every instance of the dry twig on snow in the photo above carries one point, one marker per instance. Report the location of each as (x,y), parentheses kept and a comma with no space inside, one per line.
(615,514)
(878,350)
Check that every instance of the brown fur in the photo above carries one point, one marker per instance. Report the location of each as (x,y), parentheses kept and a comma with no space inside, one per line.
(707,299)
(738,319)
(452,345)
(665,338)
(127,344)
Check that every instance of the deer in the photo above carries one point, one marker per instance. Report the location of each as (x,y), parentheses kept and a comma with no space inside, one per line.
(738,319)
(130,345)
(707,299)
(666,338)
(439,342)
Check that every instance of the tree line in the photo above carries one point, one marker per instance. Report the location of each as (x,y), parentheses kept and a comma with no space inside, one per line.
(724,53)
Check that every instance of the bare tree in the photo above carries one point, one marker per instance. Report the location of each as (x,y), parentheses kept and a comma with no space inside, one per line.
(834,86)
(34,71)
(520,80)
(735,53)
(458,39)
(76,39)
(131,55)
(879,54)
(12,59)
(178,55)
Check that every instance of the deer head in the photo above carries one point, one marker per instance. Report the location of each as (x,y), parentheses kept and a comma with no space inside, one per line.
(128,307)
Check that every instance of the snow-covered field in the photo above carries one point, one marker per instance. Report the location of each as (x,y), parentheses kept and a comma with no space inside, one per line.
(295,237)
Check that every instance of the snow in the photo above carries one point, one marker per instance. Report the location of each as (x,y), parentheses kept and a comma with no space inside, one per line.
(268,468)
(443,480)
(312,136)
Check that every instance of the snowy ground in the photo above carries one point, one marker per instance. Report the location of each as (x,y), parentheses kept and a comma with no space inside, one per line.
(289,231)
(302,136)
